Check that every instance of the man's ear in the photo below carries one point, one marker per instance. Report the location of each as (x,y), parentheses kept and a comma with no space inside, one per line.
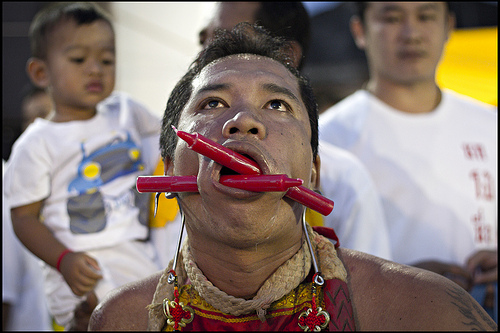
(38,72)
(168,166)
(358,32)
(315,174)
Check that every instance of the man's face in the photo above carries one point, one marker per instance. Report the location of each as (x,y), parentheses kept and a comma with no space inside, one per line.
(226,16)
(404,40)
(251,105)
(81,64)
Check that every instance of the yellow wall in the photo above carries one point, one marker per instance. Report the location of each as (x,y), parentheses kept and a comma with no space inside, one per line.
(470,64)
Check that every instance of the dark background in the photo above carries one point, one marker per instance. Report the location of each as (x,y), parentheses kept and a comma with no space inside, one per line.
(336,69)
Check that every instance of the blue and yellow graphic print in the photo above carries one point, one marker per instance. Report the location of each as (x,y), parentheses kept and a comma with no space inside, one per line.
(87,209)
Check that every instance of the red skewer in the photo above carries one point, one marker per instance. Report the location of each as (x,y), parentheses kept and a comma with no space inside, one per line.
(219,153)
(261,183)
(166,184)
(243,165)
(255,183)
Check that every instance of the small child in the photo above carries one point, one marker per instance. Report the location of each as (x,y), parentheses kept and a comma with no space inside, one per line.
(70,181)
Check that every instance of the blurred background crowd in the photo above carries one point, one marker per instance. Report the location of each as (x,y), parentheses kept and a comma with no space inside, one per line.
(156,42)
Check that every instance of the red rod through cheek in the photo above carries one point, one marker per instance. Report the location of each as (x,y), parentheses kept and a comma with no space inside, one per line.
(166,184)
(219,153)
(255,183)
(243,165)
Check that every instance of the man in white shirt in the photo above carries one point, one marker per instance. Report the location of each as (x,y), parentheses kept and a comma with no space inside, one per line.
(431,153)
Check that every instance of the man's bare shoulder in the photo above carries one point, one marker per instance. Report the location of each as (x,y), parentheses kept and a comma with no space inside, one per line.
(390,296)
(124,309)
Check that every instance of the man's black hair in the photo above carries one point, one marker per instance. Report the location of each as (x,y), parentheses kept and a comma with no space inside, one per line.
(245,38)
(289,20)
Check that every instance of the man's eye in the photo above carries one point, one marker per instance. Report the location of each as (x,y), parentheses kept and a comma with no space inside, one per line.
(391,19)
(77,60)
(212,104)
(277,105)
(427,17)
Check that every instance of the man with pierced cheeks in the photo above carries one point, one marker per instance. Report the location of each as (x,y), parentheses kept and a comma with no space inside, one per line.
(245,264)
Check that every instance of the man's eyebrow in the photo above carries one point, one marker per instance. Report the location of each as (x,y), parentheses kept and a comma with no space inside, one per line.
(270,87)
(427,6)
(389,8)
(395,7)
(274,88)
(213,87)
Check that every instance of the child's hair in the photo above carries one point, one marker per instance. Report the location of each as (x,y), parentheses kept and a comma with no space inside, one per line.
(48,18)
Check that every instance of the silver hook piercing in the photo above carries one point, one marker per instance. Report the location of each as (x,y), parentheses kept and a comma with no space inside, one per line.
(168,195)
(318,279)
(171,276)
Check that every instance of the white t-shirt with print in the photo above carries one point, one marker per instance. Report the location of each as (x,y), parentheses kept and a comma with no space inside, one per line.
(86,171)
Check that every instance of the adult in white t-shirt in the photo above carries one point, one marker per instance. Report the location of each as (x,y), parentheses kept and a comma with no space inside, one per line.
(431,153)
(357,217)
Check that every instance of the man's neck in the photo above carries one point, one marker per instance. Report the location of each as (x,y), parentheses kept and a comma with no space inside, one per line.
(240,272)
(421,97)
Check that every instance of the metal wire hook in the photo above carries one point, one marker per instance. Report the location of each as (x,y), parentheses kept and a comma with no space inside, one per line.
(168,195)
(318,278)
(171,276)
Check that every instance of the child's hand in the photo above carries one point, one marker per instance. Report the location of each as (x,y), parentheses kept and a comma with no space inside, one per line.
(81,272)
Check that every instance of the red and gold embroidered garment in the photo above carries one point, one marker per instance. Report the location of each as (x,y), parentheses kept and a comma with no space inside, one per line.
(282,315)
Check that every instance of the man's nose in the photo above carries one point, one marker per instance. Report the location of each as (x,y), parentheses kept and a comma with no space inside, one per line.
(242,124)
(411,30)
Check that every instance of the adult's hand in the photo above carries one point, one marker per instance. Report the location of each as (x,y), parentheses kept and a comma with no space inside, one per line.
(483,266)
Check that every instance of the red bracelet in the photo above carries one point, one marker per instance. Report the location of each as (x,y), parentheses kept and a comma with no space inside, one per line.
(65,252)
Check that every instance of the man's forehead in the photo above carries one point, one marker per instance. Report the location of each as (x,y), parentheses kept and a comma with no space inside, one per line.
(248,63)
(395,6)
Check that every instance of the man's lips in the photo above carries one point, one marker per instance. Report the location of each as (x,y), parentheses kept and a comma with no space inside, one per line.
(218,153)
(254,154)
(411,54)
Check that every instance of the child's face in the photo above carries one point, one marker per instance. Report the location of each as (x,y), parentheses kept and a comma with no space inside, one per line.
(81,66)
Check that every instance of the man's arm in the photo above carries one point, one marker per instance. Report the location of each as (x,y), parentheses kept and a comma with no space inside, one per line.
(390,296)
(124,308)
(466,311)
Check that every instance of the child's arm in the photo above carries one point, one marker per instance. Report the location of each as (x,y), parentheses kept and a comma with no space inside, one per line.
(77,268)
